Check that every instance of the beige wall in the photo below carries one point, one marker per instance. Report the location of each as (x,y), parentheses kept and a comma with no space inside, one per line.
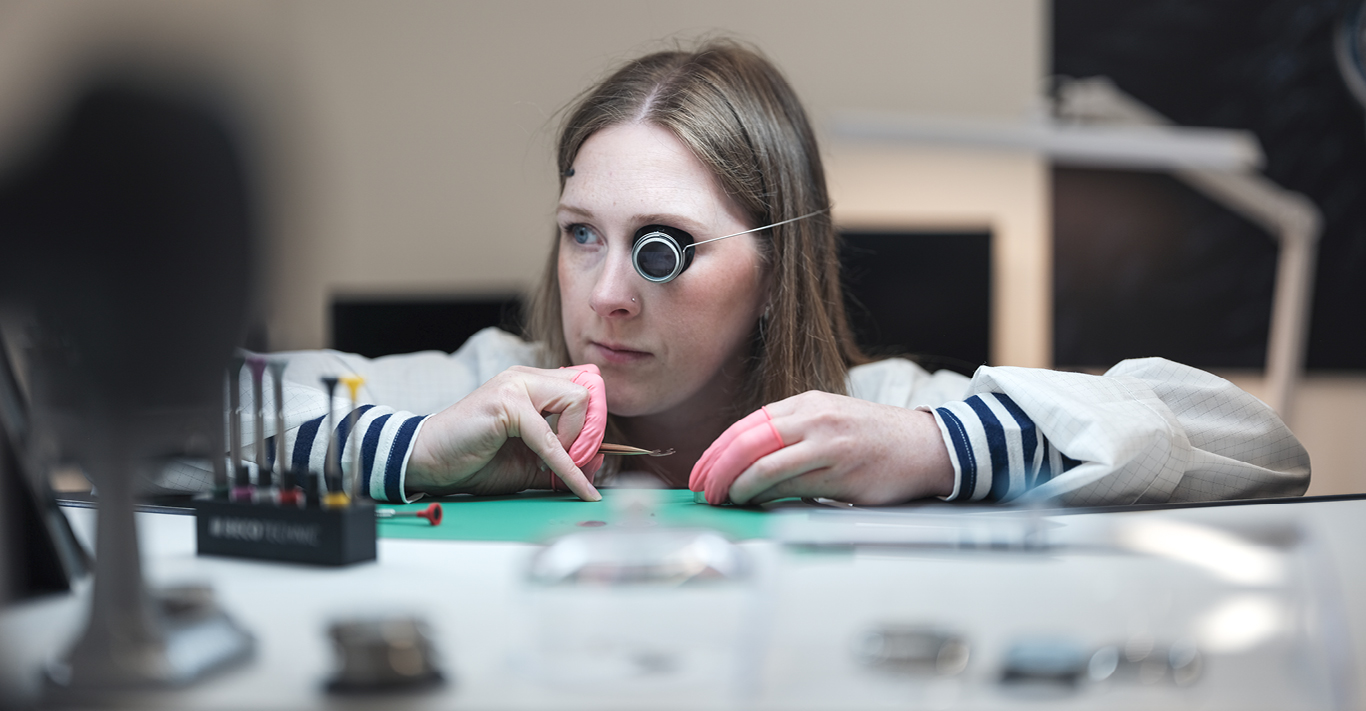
(890,186)
(404,146)
(436,119)
(409,142)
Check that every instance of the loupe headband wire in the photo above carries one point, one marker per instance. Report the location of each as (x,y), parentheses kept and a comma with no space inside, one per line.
(758,229)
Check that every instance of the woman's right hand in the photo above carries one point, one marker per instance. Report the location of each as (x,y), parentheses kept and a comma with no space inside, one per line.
(497,439)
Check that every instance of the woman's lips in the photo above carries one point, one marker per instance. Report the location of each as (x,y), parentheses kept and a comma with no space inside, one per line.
(619,355)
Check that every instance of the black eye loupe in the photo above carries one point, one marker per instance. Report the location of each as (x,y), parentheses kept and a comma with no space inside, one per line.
(661,253)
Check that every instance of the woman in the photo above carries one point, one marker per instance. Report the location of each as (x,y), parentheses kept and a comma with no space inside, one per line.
(695,270)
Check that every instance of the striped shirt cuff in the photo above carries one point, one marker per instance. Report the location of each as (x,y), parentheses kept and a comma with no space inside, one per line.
(381,444)
(996,450)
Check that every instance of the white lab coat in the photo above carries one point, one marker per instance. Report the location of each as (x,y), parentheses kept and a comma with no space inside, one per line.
(1148,430)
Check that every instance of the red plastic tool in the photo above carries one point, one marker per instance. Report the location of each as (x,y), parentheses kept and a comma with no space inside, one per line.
(431,513)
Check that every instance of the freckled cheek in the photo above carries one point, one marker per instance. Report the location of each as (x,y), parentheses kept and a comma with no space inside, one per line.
(696,332)
(572,307)
(734,306)
(569,279)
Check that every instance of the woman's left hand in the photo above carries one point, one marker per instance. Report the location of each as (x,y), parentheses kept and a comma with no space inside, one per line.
(817,444)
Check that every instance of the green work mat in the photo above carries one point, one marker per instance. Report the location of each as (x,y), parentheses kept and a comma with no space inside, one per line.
(532,517)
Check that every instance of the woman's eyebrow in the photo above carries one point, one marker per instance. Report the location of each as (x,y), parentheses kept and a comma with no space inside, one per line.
(574,210)
(671,219)
(682,222)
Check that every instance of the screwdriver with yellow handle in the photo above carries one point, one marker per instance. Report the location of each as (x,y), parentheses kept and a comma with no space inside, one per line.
(334,496)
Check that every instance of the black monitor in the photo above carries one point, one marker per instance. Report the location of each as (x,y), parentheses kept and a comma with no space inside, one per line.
(921,294)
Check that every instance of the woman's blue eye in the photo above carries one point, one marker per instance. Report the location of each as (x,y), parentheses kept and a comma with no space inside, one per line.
(582,234)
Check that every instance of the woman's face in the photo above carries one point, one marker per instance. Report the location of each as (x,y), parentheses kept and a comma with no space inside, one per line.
(659,346)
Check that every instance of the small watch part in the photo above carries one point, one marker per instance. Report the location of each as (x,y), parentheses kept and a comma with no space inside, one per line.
(913,650)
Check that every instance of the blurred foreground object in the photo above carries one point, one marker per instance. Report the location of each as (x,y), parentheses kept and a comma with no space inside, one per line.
(128,261)
(647,610)
(1349,49)
(391,654)
(1200,607)
(39,554)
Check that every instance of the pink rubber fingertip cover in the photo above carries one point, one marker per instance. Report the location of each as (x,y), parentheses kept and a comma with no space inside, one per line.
(591,469)
(754,438)
(585,446)
(697,479)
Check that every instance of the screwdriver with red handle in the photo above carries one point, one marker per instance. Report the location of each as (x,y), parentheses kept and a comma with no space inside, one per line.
(431,513)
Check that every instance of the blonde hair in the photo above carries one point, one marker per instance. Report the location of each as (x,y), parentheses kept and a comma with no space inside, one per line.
(742,120)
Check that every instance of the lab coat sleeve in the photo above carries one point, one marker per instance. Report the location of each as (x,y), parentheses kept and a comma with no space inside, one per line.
(398,395)
(1148,431)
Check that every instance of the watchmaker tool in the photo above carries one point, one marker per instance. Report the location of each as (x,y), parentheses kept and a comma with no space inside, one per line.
(622,450)
(431,513)
(352,482)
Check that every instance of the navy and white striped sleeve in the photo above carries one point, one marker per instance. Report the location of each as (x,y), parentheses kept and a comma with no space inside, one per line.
(1148,431)
(408,383)
(997,451)
(381,446)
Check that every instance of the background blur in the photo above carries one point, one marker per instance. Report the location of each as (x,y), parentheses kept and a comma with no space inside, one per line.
(402,152)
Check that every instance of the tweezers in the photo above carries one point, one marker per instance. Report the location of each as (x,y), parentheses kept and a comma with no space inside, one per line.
(622,450)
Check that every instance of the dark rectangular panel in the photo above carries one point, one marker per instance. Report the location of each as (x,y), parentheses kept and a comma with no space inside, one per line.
(377,326)
(1145,266)
(922,294)
(1266,66)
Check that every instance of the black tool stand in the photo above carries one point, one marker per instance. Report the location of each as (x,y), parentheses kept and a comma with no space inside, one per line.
(321,536)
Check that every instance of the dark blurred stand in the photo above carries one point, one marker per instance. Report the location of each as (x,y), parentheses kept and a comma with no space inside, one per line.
(127,259)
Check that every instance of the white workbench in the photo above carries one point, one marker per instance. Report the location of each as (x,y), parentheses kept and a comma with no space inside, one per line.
(782,640)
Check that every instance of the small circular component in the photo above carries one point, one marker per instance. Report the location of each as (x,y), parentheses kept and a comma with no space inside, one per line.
(1045,662)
